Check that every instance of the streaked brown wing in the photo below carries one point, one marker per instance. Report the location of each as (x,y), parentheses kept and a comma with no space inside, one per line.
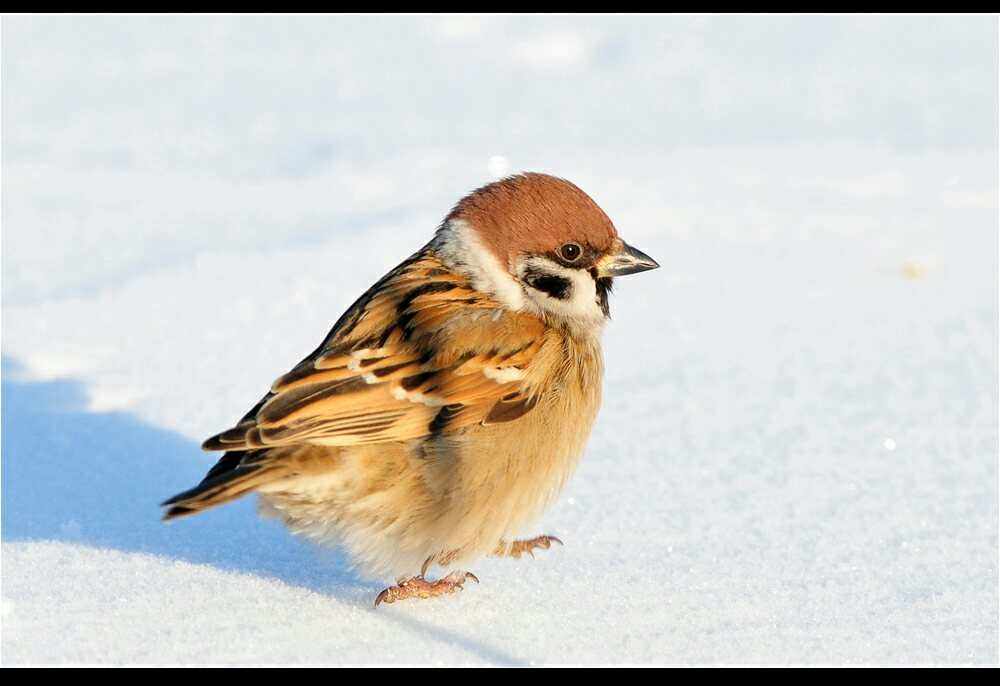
(421,353)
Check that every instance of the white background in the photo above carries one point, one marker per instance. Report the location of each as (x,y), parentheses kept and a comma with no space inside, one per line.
(796,461)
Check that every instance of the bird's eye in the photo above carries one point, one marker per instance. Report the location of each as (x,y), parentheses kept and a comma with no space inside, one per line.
(570,252)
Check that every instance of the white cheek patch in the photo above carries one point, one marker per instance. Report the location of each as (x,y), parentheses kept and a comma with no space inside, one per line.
(577,303)
(461,248)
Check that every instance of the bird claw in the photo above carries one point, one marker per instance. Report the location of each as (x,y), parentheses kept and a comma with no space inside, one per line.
(419,587)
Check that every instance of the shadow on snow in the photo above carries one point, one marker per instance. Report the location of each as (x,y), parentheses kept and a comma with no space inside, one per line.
(97,479)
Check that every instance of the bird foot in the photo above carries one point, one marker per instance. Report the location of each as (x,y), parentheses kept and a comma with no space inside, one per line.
(419,587)
(518,548)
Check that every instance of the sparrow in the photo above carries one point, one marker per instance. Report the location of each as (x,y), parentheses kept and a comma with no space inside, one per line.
(450,403)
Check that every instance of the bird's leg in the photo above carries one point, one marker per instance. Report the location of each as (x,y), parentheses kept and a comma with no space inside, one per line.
(419,587)
(519,548)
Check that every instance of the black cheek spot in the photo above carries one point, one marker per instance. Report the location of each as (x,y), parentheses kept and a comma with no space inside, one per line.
(554,286)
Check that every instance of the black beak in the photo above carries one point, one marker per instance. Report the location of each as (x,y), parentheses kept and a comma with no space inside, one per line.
(626,261)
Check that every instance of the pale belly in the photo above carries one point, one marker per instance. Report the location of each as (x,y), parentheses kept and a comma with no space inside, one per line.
(395,505)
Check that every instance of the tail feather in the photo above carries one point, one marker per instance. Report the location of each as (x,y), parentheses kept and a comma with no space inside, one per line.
(222,486)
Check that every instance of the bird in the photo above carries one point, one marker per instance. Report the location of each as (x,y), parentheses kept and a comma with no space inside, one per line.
(449,405)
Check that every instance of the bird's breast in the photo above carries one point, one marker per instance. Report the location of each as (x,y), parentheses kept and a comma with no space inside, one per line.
(506,474)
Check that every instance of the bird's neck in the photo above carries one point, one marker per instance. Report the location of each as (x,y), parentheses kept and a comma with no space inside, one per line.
(459,248)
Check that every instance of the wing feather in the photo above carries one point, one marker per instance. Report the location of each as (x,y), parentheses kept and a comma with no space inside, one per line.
(422,353)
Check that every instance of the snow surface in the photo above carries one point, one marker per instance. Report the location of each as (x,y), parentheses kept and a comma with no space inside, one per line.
(796,461)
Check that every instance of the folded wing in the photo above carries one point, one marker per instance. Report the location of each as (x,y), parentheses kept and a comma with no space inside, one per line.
(421,353)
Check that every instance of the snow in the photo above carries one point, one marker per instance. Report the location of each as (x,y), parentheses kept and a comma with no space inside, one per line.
(796,461)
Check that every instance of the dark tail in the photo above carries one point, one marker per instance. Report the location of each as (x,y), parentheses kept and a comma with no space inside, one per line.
(235,475)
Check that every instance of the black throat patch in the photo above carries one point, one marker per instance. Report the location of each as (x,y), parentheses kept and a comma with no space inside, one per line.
(604,285)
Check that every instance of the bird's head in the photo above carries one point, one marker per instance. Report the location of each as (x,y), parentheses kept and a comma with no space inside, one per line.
(538,243)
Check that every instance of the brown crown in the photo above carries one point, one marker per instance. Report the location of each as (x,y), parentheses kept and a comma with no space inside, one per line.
(534,213)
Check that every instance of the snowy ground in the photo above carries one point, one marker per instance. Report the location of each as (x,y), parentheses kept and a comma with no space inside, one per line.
(796,461)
